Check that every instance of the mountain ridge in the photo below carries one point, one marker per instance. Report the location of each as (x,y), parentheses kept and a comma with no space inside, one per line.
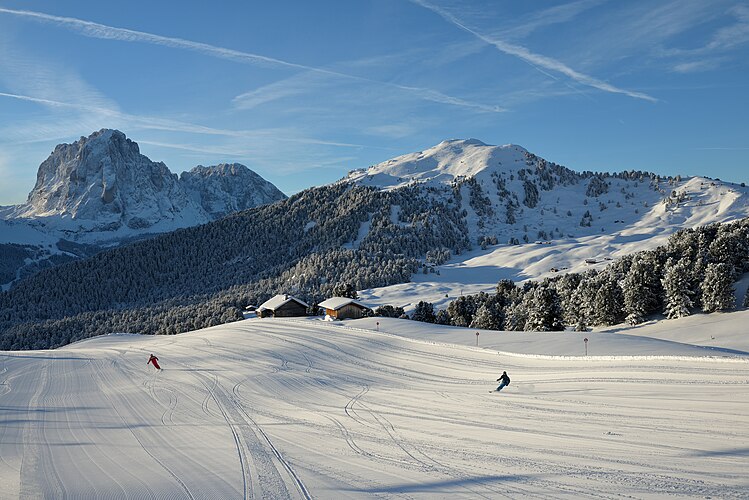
(102,183)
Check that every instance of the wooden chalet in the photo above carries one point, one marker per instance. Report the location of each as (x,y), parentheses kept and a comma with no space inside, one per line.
(344,308)
(282,306)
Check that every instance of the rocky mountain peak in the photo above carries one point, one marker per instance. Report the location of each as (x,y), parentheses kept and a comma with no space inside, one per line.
(103,184)
(228,187)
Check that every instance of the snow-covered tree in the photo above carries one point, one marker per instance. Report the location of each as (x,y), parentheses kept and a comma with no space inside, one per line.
(677,288)
(424,311)
(545,311)
(442,317)
(388,311)
(516,315)
(609,302)
(488,317)
(345,290)
(580,305)
(640,288)
(730,246)
(461,311)
(565,287)
(717,288)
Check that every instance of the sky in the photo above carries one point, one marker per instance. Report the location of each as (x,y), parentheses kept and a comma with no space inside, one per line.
(302,92)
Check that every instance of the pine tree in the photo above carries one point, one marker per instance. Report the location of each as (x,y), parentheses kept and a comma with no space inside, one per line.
(461,311)
(717,288)
(488,317)
(676,285)
(424,311)
(442,317)
(545,311)
(609,302)
(581,303)
(345,290)
(516,315)
(565,287)
(580,326)
(639,294)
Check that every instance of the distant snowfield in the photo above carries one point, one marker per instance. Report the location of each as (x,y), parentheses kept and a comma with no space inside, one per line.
(312,409)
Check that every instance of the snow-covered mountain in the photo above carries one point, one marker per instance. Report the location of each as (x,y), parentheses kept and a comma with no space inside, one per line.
(559,219)
(509,194)
(103,183)
(101,187)
(444,163)
(100,190)
(228,187)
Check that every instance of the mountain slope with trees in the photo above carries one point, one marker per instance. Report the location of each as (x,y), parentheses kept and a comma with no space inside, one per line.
(460,195)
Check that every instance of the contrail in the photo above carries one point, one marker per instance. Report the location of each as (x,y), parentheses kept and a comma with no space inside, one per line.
(537,60)
(151,122)
(48,102)
(96,30)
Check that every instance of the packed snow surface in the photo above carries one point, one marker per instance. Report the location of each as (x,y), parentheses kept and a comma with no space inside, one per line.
(380,408)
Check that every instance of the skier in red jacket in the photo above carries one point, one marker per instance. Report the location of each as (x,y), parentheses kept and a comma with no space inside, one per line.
(155,361)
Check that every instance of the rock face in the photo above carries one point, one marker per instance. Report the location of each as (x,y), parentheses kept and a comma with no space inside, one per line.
(104,182)
(228,187)
(103,185)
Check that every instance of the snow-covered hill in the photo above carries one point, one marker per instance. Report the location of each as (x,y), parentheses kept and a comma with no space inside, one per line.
(442,164)
(560,220)
(508,192)
(309,409)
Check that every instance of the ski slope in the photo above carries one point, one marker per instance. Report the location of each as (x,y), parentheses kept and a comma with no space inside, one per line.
(382,408)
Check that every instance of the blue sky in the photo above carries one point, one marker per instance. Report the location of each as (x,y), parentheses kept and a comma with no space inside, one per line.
(302,92)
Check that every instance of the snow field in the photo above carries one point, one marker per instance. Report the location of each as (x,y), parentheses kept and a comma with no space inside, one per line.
(310,409)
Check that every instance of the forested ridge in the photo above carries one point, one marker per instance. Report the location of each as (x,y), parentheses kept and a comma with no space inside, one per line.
(203,275)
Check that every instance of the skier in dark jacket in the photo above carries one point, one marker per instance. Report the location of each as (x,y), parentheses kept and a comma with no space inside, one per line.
(504,381)
(154,361)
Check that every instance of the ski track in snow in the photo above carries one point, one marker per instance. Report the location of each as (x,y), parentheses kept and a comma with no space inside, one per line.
(306,409)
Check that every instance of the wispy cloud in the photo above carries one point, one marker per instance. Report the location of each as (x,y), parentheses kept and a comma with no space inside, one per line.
(132,121)
(548,17)
(267,93)
(102,31)
(26,78)
(697,66)
(538,61)
(733,35)
(672,31)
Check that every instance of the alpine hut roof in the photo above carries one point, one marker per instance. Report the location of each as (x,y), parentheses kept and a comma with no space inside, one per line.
(336,303)
(278,300)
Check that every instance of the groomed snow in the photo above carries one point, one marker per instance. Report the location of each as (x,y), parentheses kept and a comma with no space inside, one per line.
(310,409)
